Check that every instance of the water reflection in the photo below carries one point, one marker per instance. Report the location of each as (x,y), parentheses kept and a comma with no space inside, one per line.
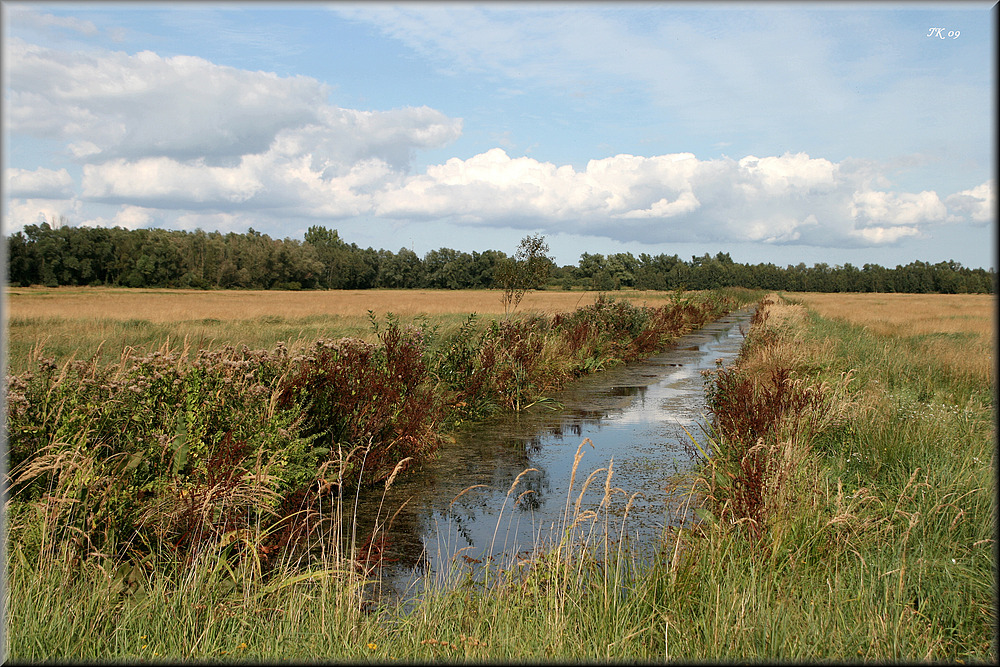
(502,486)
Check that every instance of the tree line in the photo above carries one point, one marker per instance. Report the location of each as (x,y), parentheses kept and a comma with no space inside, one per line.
(669,272)
(43,255)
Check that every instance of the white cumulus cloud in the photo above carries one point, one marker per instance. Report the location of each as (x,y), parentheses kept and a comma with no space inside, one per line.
(33,211)
(114,104)
(166,181)
(663,208)
(39,183)
(978,203)
(775,199)
(874,208)
(133,217)
(183,141)
(129,217)
(109,105)
(788,173)
(884,235)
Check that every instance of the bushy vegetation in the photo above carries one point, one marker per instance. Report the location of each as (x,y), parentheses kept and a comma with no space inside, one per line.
(41,255)
(668,272)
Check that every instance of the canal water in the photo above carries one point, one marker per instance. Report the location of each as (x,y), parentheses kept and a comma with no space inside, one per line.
(503,488)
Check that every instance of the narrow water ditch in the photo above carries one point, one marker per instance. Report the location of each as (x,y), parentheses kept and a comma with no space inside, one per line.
(458,508)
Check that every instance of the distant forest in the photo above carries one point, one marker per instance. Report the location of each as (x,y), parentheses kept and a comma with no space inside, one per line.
(41,255)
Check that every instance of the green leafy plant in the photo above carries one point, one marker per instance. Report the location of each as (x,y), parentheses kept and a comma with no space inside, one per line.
(528,269)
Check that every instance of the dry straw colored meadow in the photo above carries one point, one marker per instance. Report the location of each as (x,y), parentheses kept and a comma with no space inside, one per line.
(161,306)
(79,322)
(954,331)
(909,314)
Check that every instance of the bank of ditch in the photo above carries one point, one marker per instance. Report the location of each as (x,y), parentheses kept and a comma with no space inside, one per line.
(848,504)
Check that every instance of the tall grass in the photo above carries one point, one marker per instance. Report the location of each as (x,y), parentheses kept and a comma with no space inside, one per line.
(224,602)
(218,609)
(849,504)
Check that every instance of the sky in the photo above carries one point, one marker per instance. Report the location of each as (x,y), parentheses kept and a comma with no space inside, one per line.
(777,132)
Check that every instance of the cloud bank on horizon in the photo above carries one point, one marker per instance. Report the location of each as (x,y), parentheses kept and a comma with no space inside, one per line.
(106,136)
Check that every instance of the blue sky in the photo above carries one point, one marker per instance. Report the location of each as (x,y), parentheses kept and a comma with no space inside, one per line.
(777,132)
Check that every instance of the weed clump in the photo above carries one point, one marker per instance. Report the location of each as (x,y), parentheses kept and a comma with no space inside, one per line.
(765,416)
(374,402)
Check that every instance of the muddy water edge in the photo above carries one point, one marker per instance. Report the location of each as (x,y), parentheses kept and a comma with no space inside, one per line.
(459,509)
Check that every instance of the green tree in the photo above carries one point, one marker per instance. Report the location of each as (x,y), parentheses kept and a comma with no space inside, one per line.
(401,270)
(590,265)
(622,267)
(448,268)
(484,265)
(22,262)
(529,268)
(329,251)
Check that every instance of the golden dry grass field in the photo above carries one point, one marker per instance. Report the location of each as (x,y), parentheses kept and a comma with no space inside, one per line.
(161,306)
(76,322)
(957,331)
(908,314)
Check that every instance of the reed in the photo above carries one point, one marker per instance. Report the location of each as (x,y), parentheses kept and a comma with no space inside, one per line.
(572,598)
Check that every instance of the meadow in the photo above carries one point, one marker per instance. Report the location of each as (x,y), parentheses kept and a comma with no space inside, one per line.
(954,332)
(79,321)
(845,495)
